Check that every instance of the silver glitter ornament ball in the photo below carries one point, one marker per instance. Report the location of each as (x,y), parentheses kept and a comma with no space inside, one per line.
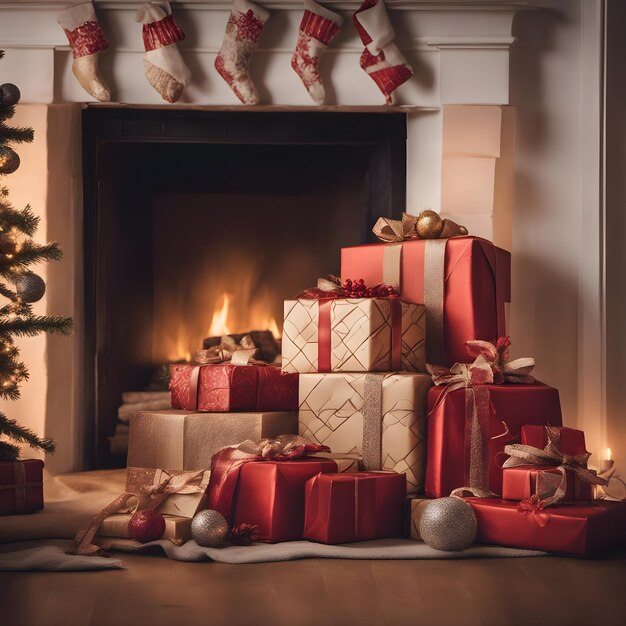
(448,524)
(209,529)
(30,287)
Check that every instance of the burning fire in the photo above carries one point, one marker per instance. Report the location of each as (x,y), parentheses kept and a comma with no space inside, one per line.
(219,323)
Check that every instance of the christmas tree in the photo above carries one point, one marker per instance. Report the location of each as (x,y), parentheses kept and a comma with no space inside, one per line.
(18,284)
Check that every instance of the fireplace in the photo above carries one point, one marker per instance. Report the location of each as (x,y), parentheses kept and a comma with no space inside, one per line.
(200,223)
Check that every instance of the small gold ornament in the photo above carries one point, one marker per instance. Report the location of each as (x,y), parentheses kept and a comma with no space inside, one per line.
(429,225)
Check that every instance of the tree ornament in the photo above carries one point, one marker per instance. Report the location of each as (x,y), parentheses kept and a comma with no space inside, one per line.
(9,95)
(243,30)
(30,287)
(381,59)
(209,529)
(429,225)
(163,65)
(448,524)
(86,40)
(146,525)
(318,28)
(9,160)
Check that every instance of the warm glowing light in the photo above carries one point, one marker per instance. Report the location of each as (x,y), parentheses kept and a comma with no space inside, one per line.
(219,322)
(608,454)
(273,328)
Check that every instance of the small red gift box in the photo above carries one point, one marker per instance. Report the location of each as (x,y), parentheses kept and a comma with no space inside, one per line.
(575,530)
(341,508)
(222,387)
(572,440)
(511,407)
(466,279)
(522,482)
(271,495)
(21,486)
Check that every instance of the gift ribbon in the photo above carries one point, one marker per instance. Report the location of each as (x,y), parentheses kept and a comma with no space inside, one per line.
(373,421)
(155,495)
(20,486)
(553,456)
(226,465)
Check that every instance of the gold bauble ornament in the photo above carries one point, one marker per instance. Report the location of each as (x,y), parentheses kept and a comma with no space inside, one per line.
(429,225)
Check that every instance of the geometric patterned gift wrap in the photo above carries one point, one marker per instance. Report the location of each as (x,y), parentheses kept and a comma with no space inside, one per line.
(360,335)
(378,416)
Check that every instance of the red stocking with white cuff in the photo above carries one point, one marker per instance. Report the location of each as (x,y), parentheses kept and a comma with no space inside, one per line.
(381,59)
(164,66)
(318,28)
(86,40)
(243,30)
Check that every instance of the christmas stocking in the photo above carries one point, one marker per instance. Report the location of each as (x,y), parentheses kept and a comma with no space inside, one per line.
(164,67)
(318,28)
(86,40)
(244,27)
(381,59)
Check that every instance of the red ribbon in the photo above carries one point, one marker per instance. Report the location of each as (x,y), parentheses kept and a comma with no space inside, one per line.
(323,335)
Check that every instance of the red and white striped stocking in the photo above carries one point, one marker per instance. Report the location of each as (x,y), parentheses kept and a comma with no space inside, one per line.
(243,29)
(86,40)
(381,59)
(163,65)
(318,28)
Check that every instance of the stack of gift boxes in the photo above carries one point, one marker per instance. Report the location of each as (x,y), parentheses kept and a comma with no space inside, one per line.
(354,379)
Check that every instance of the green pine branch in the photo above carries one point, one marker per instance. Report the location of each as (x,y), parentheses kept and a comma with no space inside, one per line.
(32,252)
(6,113)
(18,134)
(8,451)
(23,220)
(7,293)
(21,434)
(32,326)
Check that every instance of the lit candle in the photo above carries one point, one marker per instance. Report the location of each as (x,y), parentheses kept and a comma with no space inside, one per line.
(607,463)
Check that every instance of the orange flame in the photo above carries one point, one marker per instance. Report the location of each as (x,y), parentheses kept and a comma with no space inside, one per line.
(219,322)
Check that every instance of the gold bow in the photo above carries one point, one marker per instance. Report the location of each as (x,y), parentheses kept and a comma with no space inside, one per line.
(462,375)
(407,228)
(516,371)
(550,491)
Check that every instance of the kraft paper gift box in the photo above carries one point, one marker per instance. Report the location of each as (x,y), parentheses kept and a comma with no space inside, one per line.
(380,417)
(179,504)
(187,440)
(271,495)
(218,387)
(580,530)
(361,506)
(463,282)
(21,486)
(510,407)
(177,528)
(524,481)
(353,335)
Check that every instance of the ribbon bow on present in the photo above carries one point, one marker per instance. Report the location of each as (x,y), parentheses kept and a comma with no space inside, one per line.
(426,225)
(497,355)
(227,463)
(238,353)
(552,490)
(331,288)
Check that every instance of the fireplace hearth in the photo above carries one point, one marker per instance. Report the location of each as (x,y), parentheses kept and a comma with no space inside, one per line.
(200,223)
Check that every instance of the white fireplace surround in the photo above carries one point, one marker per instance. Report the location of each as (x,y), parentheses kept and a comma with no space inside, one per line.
(463,53)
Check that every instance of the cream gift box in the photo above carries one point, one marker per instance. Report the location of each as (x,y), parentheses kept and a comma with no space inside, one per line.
(378,416)
(353,335)
(186,440)
(177,528)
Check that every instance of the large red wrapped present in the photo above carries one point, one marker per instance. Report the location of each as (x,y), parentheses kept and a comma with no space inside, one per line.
(21,486)
(463,281)
(341,508)
(524,481)
(271,495)
(225,387)
(460,447)
(578,530)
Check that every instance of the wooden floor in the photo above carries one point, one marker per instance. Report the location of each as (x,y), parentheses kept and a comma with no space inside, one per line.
(155,591)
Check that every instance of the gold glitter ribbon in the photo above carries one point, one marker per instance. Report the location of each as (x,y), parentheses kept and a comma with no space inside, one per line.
(552,456)
(434,285)
(373,421)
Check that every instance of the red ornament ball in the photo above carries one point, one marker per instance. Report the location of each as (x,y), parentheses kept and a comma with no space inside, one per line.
(148,525)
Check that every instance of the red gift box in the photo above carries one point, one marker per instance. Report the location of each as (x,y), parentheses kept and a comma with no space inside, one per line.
(572,440)
(466,279)
(576,530)
(21,486)
(511,407)
(271,494)
(520,483)
(340,508)
(231,388)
